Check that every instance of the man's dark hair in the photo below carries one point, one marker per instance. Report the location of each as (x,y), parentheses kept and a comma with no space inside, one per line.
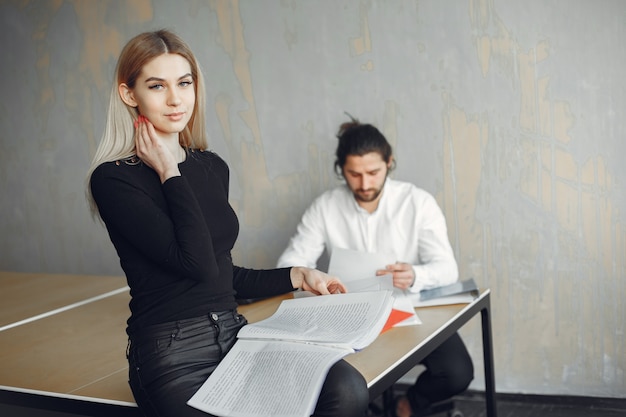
(360,139)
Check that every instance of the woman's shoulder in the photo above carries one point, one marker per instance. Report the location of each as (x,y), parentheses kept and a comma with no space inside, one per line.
(203,153)
(119,167)
(128,170)
(206,157)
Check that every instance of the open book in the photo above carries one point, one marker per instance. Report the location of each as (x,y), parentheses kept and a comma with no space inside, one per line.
(278,365)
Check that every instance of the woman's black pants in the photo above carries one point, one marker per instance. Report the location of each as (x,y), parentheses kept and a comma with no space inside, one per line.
(170,361)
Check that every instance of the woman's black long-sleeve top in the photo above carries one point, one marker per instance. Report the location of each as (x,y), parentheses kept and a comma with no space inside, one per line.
(174,240)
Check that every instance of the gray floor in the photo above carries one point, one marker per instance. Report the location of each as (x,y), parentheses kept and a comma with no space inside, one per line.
(534,406)
(472,404)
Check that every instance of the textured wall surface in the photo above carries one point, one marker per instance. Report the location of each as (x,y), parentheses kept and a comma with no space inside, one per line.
(509,112)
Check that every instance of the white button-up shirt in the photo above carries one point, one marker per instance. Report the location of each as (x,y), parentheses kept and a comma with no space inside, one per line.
(408,224)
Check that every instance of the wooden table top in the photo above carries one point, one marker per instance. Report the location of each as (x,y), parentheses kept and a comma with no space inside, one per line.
(81,351)
(24,295)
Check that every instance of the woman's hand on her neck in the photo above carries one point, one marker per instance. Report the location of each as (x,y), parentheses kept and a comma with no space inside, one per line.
(160,155)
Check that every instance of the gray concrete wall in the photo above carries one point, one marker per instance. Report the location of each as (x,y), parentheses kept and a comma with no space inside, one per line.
(509,112)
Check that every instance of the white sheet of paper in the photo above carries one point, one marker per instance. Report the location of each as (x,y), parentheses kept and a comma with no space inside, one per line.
(383,282)
(350,265)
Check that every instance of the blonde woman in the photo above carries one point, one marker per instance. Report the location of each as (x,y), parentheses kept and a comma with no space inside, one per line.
(164,200)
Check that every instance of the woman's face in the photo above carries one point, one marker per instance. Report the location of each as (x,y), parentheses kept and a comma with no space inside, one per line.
(164,93)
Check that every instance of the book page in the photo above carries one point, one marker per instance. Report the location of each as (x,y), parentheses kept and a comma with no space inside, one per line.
(351,320)
(267,378)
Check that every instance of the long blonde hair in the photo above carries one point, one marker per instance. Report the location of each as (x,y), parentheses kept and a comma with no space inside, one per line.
(118,139)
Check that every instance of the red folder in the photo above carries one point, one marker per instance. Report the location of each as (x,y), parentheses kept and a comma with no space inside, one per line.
(395,317)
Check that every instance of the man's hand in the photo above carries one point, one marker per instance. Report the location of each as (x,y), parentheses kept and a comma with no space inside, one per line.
(315,281)
(403,274)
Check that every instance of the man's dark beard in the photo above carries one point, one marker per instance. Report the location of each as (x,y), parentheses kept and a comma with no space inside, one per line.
(374,197)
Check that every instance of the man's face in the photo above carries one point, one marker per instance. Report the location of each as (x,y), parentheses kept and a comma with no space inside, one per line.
(365,175)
